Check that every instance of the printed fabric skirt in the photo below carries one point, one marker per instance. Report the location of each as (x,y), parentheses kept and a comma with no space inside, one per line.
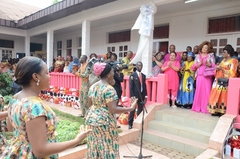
(103,143)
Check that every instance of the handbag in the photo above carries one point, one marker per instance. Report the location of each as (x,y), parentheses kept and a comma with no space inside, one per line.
(223,82)
(209,71)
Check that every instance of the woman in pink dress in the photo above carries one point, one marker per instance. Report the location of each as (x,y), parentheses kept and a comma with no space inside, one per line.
(171,69)
(203,83)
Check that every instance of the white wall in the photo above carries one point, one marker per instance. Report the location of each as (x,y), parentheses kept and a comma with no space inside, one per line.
(75,40)
(186,28)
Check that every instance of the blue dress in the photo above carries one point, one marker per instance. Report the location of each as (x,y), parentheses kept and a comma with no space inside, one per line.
(186,89)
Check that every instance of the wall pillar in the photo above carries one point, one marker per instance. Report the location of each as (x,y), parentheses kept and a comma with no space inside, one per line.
(86,37)
(50,53)
(27,45)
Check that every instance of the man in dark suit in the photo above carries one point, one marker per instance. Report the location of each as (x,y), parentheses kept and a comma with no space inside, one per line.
(138,89)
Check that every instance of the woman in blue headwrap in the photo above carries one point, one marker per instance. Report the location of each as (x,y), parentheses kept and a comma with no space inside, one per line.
(76,62)
(186,91)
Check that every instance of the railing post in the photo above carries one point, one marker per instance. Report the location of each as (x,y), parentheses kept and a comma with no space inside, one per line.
(154,91)
(127,87)
(233,97)
(162,88)
(149,90)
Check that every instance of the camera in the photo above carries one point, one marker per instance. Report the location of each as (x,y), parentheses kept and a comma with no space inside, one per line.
(116,65)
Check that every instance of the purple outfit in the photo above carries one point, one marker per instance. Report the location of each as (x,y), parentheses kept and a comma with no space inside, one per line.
(203,84)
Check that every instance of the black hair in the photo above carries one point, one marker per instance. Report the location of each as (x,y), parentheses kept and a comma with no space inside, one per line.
(174,53)
(85,57)
(106,70)
(157,54)
(93,54)
(115,55)
(229,49)
(139,62)
(236,53)
(25,68)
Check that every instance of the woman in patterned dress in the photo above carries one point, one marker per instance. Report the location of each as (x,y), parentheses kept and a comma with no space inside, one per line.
(186,90)
(103,140)
(226,69)
(33,122)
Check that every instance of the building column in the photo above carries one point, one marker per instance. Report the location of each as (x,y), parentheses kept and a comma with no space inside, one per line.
(86,37)
(49,48)
(27,46)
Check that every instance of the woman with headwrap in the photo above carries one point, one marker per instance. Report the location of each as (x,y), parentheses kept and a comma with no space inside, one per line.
(217,104)
(186,91)
(74,62)
(102,101)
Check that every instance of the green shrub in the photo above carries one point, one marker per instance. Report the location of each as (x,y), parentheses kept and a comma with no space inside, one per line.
(68,130)
(7,99)
(5,84)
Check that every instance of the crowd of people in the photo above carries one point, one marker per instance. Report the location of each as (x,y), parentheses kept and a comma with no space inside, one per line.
(198,79)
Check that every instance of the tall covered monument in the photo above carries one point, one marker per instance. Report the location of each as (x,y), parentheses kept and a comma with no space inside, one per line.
(145,25)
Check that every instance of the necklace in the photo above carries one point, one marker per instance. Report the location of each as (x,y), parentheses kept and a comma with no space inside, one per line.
(227,59)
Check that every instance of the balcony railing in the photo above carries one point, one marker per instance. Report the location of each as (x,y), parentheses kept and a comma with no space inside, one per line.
(156,86)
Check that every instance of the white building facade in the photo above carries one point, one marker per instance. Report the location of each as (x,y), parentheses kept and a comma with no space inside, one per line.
(108,27)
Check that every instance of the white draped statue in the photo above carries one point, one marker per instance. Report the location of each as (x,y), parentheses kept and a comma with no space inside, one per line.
(145,24)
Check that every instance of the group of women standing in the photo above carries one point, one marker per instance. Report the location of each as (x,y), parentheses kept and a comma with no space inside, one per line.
(202,85)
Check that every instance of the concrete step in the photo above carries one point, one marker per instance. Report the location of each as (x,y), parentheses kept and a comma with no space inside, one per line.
(178,143)
(181,131)
(187,118)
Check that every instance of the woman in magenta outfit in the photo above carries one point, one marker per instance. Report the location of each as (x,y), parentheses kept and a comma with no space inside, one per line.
(203,84)
(171,68)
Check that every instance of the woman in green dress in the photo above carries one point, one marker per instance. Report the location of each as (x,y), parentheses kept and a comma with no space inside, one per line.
(33,122)
(103,140)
